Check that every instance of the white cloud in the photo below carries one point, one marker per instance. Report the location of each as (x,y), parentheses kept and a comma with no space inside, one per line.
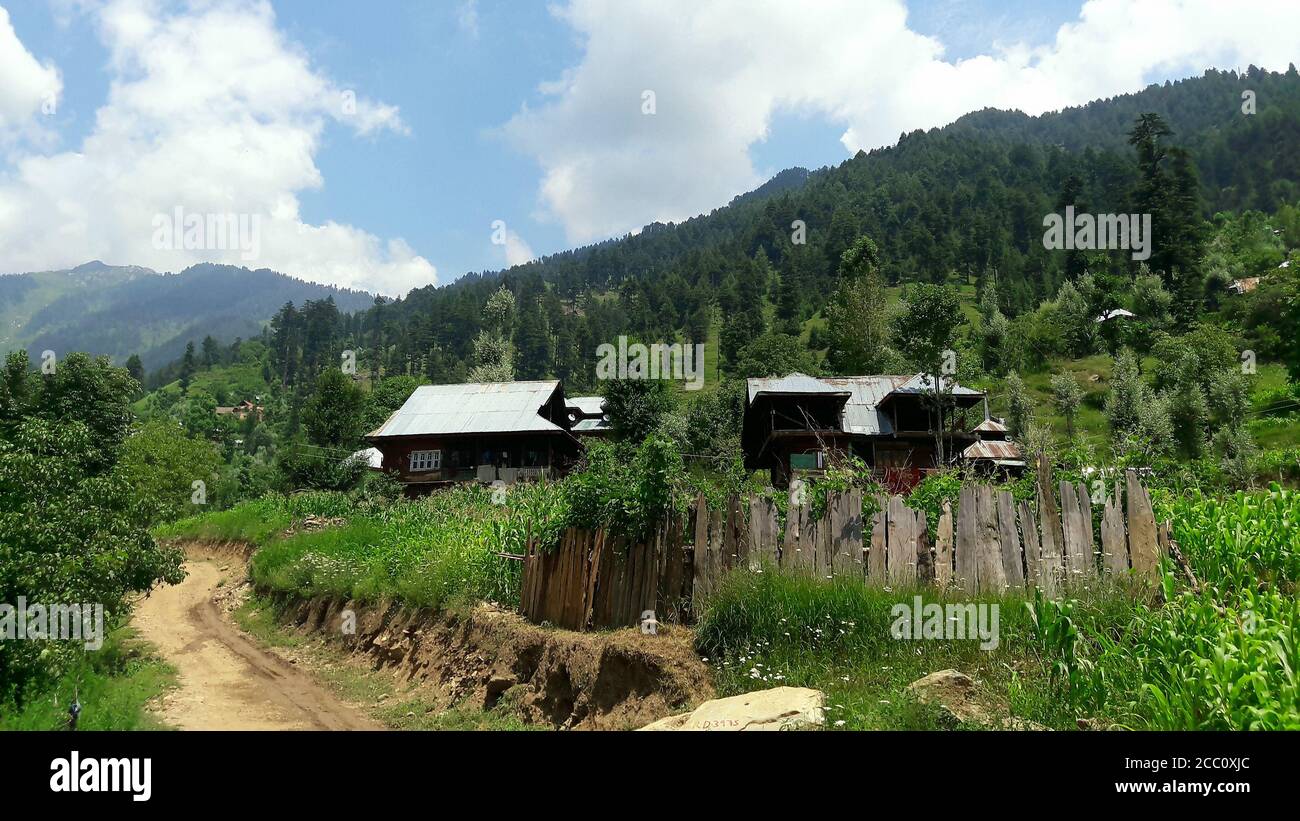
(721,70)
(517,250)
(210,109)
(28,89)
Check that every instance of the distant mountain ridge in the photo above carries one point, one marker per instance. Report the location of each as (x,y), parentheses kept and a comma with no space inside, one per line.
(120,310)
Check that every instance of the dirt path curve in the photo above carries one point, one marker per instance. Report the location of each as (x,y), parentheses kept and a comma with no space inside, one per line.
(227,680)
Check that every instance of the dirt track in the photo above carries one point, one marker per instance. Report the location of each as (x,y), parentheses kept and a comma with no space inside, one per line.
(228,681)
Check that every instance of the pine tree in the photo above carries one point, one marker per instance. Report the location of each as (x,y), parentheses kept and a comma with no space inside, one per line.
(187,368)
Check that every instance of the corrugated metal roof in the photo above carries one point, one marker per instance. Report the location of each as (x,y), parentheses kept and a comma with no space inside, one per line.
(591,426)
(993,450)
(796,383)
(924,383)
(481,407)
(861,415)
(990,426)
(865,394)
(587,405)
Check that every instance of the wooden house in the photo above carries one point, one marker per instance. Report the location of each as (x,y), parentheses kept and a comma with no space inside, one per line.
(481,432)
(793,424)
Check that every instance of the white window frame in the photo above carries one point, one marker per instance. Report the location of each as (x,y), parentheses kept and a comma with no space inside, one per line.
(423,461)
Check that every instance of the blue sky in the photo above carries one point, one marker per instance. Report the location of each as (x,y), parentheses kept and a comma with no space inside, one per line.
(457,131)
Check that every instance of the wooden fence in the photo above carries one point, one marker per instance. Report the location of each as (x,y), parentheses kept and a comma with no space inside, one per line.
(991,543)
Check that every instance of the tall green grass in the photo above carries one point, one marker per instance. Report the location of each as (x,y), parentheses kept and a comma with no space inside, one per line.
(769,629)
(1226,655)
(424,552)
(1223,655)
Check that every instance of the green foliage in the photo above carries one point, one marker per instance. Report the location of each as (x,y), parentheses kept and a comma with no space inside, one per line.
(114,686)
(927,325)
(775,354)
(81,389)
(1080,682)
(1067,396)
(636,407)
(385,397)
(162,464)
(931,494)
(1020,407)
(858,314)
(333,415)
(303,467)
(628,494)
(67,536)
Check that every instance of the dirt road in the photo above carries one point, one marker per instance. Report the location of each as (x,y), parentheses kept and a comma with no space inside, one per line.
(227,680)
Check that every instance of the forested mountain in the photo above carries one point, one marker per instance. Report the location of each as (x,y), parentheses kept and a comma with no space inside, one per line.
(119,311)
(957,203)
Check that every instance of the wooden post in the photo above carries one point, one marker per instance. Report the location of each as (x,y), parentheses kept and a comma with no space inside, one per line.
(1072,530)
(1052,565)
(900,562)
(1089,538)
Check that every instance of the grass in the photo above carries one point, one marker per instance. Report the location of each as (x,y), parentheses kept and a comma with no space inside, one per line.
(255,522)
(429,552)
(113,685)
(771,629)
(1224,655)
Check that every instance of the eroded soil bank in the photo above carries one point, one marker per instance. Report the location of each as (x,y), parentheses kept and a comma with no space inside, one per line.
(489,656)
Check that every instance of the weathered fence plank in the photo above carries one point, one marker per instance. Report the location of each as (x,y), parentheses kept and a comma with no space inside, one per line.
(1076,549)
(1012,560)
(943,548)
(763,530)
(1114,540)
(1052,542)
(967,576)
(1142,547)
(988,560)
(1089,540)
(900,548)
(879,532)
(1033,560)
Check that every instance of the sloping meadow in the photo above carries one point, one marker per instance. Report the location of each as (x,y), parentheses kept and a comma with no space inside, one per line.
(424,552)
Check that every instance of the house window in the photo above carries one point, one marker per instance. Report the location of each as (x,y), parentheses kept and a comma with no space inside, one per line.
(426,460)
(808,461)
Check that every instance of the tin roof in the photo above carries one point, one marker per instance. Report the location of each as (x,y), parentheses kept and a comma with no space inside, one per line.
(587,405)
(998,451)
(861,414)
(591,426)
(800,384)
(990,426)
(924,383)
(479,407)
(865,394)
